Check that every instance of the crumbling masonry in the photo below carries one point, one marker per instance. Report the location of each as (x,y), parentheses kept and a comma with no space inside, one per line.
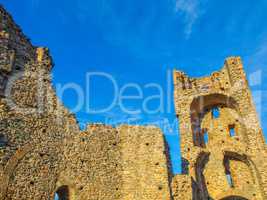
(43,152)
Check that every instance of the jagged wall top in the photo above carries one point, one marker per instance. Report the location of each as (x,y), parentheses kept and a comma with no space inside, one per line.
(230,62)
(13,39)
(7,24)
(220,78)
(226,81)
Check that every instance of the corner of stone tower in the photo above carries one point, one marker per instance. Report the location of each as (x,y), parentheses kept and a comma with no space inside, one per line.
(2,11)
(8,25)
(43,57)
(12,39)
(179,77)
(236,72)
(233,60)
(234,64)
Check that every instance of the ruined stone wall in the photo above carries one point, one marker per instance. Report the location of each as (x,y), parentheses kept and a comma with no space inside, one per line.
(181,187)
(127,162)
(92,164)
(205,162)
(144,163)
(33,124)
(43,152)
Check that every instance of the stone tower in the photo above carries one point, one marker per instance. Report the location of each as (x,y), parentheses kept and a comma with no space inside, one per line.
(222,144)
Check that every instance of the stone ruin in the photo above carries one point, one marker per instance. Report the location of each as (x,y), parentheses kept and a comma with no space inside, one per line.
(224,154)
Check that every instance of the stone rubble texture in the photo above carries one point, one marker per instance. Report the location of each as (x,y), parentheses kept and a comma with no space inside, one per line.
(43,151)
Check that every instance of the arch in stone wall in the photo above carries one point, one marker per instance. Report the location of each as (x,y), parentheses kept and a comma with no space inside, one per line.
(201,189)
(235,193)
(251,166)
(64,181)
(10,167)
(201,104)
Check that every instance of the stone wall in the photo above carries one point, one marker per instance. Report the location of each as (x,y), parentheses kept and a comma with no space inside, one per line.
(34,125)
(223,165)
(92,164)
(144,163)
(127,162)
(43,152)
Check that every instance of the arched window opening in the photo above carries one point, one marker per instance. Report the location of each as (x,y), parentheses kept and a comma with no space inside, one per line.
(237,166)
(62,193)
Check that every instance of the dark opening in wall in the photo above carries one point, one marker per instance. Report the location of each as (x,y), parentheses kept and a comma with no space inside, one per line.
(62,193)
(3,140)
(205,137)
(228,174)
(215,112)
(203,105)
(232,132)
(229,180)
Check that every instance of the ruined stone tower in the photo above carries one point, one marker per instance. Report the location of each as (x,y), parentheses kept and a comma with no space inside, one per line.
(223,149)
(43,153)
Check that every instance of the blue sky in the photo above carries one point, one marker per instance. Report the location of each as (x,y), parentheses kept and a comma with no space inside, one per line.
(140,42)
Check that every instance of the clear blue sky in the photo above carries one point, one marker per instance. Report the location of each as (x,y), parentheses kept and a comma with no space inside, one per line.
(139,41)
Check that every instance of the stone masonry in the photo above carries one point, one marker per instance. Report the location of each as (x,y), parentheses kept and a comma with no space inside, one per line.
(43,152)
(223,149)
